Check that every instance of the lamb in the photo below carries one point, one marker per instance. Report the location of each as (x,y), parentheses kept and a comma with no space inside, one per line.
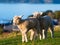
(45,23)
(25,25)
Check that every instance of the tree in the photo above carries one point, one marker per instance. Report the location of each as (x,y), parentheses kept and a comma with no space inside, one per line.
(57,14)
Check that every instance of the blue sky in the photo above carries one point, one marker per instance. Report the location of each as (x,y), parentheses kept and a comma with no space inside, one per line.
(7,11)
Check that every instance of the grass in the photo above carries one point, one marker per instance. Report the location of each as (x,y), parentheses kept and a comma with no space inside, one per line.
(13,39)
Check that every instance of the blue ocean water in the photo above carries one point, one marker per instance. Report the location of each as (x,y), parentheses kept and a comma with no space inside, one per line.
(7,11)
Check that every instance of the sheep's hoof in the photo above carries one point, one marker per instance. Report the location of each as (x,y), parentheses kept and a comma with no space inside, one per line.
(26,41)
(44,38)
(23,41)
(30,39)
(40,39)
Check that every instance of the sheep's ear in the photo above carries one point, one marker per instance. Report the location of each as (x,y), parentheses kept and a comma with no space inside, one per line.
(41,13)
(35,13)
(21,16)
(14,17)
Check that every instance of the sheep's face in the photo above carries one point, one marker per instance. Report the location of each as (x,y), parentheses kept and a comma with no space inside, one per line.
(16,20)
(36,14)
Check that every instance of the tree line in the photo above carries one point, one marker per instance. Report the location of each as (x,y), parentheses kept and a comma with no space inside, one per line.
(21,1)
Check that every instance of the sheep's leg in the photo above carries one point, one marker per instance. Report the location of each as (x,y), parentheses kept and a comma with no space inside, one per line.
(40,37)
(32,34)
(40,34)
(22,37)
(44,34)
(35,35)
(52,29)
(52,32)
(25,37)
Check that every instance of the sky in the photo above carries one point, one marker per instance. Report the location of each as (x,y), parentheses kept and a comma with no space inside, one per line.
(8,11)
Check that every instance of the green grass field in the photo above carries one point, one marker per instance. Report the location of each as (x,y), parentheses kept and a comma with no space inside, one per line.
(16,40)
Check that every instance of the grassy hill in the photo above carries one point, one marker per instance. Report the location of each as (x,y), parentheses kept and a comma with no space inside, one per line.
(15,39)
